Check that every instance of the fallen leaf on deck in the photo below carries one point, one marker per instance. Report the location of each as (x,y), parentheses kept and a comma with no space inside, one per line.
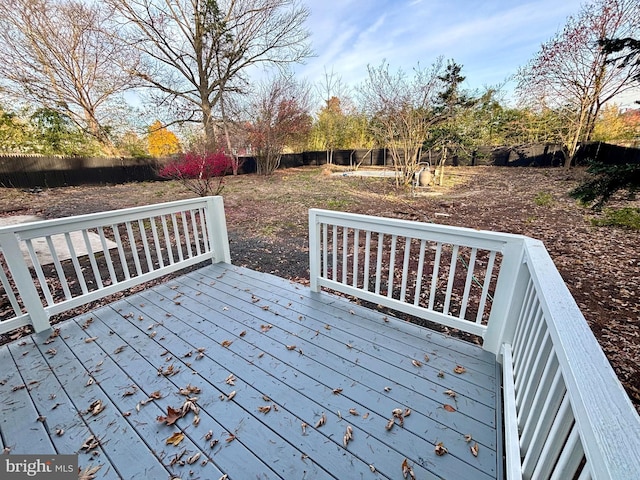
(451,393)
(416,363)
(175,439)
(468,438)
(327,327)
(426,357)
(321,421)
(353,411)
(231,395)
(264,409)
(348,436)
(119,349)
(90,339)
(449,408)
(226,343)
(167,372)
(59,432)
(366,415)
(90,443)
(242,333)
(440,449)
(96,407)
(89,473)
(230,380)
(407,412)
(390,424)
(474,449)
(387,389)
(230,438)
(172,416)
(52,351)
(193,458)
(459,369)
(266,328)
(407,471)
(337,391)
(18,387)
(440,374)
(291,347)
(189,390)
(304,428)
(156,395)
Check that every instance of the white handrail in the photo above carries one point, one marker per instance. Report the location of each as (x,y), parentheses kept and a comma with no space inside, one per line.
(130,246)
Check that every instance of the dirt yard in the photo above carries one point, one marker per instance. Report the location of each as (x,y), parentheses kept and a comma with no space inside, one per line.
(267,222)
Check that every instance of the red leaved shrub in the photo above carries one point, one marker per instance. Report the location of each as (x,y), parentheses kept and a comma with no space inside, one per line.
(201,173)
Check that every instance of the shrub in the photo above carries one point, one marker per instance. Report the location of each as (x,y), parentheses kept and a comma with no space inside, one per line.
(627,217)
(605,181)
(202,174)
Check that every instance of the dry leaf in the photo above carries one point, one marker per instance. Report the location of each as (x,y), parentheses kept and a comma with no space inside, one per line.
(440,374)
(372,468)
(209,435)
(196,420)
(230,438)
(52,351)
(172,417)
(90,443)
(226,343)
(349,345)
(407,471)
(59,432)
(468,438)
(407,412)
(155,395)
(416,363)
(264,409)
(193,458)
(231,395)
(451,393)
(224,477)
(242,333)
(175,439)
(119,349)
(321,421)
(353,411)
(366,415)
(474,449)
(348,436)
(89,473)
(459,369)
(440,449)
(449,408)
(90,339)
(426,357)
(390,424)
(387,389)
(96,407)
(189,390)
(291,347)
(230,380)
(327,326)
(337,391)
(266,328)
(304,426)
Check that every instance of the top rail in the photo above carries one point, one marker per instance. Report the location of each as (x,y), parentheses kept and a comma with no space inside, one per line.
(51,266)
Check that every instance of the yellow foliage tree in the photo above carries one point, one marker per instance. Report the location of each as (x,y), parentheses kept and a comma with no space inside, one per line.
(162,142)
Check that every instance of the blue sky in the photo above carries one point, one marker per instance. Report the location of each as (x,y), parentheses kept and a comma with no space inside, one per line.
(491,39)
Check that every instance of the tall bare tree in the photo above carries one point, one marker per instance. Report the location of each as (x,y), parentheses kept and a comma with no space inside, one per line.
(58,55)
(401,109)
(571,73)
(199,52)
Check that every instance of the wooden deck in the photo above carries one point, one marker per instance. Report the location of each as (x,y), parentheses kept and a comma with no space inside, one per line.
(279,347)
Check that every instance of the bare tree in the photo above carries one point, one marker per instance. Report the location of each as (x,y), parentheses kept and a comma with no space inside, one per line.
(58,55)
(571,73)
(198,52)
(280,110)
(402,110)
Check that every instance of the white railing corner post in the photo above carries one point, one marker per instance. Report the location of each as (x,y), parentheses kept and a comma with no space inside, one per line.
(509,295)
(314,250)
(24,283)
(217,230)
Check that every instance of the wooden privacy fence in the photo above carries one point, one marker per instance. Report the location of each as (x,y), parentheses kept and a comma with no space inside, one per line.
(566,415)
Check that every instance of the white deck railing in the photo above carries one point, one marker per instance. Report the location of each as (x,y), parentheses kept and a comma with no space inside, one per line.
(566,414)
(51,266)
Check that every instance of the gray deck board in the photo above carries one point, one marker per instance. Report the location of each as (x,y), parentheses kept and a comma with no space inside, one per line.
(184,322)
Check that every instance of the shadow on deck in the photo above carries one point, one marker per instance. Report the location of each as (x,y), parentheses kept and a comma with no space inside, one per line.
(271,376)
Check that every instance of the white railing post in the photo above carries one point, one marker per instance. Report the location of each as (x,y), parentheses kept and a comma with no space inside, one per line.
(217,230)
(24,282)
(509,295)
(314,250)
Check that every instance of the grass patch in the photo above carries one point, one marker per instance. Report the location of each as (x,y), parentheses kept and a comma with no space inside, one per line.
(543,199)
(626,217)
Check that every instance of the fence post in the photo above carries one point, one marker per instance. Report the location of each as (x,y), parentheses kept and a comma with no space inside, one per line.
(314,250)
(509,295)
(24,282)
(217,226)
